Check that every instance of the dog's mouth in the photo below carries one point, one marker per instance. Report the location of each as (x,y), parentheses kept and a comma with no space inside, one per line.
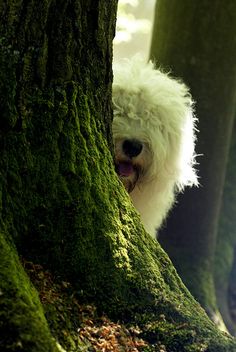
(128,174)
(125,168)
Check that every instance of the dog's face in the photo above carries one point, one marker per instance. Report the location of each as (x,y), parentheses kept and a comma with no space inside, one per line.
(132,160)
(133,147)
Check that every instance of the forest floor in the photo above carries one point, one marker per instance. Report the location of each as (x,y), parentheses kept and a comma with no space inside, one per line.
(78,326)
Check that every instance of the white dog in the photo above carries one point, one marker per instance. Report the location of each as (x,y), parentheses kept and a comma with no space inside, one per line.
(153,133)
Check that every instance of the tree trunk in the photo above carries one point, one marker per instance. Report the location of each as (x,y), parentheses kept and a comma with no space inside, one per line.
(55,66)
(226,243)
(197,41)
(61,202)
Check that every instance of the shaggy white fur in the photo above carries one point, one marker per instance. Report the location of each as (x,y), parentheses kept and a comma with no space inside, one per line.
(153,132)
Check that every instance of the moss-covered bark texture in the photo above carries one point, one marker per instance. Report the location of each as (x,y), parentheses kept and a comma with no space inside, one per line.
(196,40)
(62,205)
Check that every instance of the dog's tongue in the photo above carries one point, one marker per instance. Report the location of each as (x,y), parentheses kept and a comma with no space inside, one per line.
(125,169)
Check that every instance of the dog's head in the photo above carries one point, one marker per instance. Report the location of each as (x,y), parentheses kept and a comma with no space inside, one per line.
(153,127)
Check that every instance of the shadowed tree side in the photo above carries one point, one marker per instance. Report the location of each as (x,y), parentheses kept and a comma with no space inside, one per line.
(196,40)
(61,202)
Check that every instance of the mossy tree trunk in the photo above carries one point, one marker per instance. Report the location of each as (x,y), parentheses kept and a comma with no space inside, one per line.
(62,205)
(196,39)
(55,66)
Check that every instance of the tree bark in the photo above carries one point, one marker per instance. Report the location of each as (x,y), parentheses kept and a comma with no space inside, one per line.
(196,40)
(61,202)
(55,61)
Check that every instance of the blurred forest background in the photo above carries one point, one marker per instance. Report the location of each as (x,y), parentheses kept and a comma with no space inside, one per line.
(133,28)
(200,233)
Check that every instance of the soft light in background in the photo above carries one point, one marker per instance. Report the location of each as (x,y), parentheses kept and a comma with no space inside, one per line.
(134,27)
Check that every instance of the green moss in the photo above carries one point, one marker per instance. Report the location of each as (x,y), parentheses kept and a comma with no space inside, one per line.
(8,60)
(22,323)
(180,337)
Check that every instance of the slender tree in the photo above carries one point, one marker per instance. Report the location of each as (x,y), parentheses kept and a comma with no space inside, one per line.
(62,205)
(196,40)
(225,245)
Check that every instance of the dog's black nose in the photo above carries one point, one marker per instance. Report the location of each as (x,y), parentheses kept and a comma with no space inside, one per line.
(132,147)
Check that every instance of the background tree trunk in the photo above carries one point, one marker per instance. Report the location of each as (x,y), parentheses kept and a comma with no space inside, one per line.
(225,245)
(196,40)
(61,202)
